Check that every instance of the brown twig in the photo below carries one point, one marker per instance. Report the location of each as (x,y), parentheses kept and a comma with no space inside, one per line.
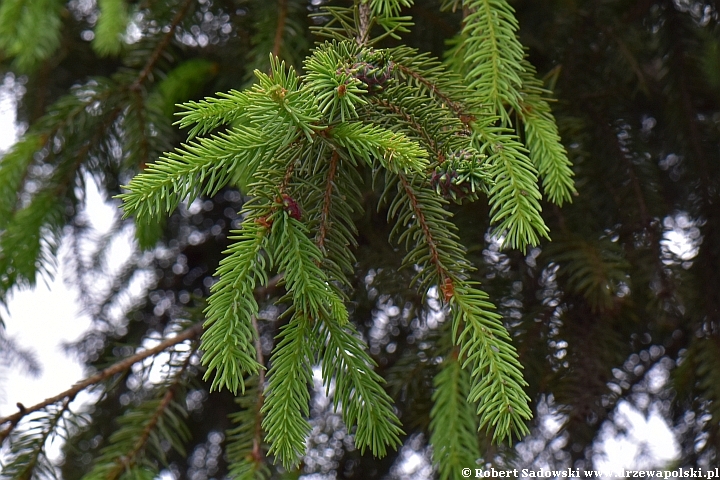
(282,15)
(257,453)
(118,367)
(432,245)
(150,64)
(410,120)
(454,106)
(364,18)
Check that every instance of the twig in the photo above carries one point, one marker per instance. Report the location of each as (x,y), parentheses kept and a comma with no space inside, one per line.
(456,107)
(161,46)
(257,454)
(446,281)
(98,377)
(282,15)
(363,23)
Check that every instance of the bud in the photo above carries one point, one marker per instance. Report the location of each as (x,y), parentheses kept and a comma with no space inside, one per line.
(462,176)
(373,68)
(291,206)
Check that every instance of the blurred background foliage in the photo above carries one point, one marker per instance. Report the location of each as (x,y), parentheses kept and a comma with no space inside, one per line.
(621,307)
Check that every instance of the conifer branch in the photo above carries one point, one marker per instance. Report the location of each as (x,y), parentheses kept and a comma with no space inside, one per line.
(410,120)
(229,337)
(27,448)
(493,54)
(144,428)
(498,383)
(543,140)
(210,113)
(201,167)
(108,372)
(515,197)
(286,405)
(435,260)
(128,461)
(396,151)
(157,53)
(453,422)
(434,90)
(358,388)
(111,24)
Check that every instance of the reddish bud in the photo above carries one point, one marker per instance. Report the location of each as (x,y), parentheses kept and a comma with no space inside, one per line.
(264,222)
(291,206)
(448,289)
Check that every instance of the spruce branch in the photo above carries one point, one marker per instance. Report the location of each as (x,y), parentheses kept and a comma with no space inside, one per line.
(453,421)
(137,446)
(300,259)
(331,77)
(229,336)
(199,167)
(26,449)
(397,152)
(484,342)
(338,204)
(13,170)
(358,388)
(104,374)
(401,114)
(497,381)
(30,31)
(515,196)
(344,360)
(286,406)
(543,140)
(431,86)
(128,461)
(434,256)
(493,55)
(430,239)
(111,24)
(208,114)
